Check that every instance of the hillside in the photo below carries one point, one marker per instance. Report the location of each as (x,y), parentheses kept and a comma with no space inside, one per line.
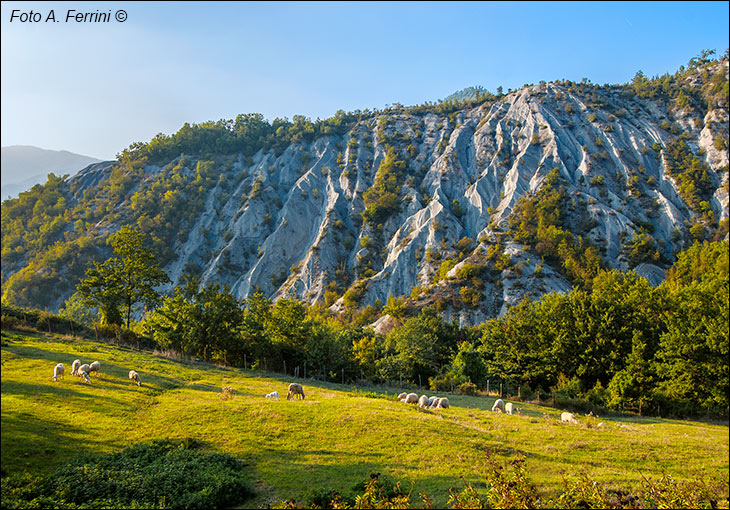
(24,166)
(334,439)
(469,206)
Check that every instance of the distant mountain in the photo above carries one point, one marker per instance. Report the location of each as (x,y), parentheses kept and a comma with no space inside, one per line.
(23,166)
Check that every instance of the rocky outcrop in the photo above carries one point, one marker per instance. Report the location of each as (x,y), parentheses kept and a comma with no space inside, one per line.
(291,224)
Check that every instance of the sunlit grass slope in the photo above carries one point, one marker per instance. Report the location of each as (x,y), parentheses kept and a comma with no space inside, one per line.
(332,440)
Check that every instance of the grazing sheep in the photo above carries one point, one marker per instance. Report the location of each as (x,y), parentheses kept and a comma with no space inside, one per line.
(430,401)
(274,395)
(134,377)
(57,370)
(434,403)
(443,403)
(510,408)
(568,417)
(83,371)
(411,398)
(402,396)
(498,406)
(95,367)
(295,389)
(423,401)
(75,366)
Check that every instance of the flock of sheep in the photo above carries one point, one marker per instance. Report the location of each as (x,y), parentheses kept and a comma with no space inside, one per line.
(424,401)
(296,389)
(508,408)
(87,369)
(500,406)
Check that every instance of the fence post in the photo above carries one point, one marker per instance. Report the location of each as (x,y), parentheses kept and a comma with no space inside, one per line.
(500,390)
(305,369)
(487,387)
(419,381)
(343,376)
(519,392)
(244,362)
(284,367)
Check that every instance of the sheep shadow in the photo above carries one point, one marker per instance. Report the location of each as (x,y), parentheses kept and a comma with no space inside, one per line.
(58,389)
(27,351)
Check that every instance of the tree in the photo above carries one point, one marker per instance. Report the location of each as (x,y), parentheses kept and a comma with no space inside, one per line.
(200,322)
(423,345)
(468,362)
(632,385)
(121,282)
(75,309)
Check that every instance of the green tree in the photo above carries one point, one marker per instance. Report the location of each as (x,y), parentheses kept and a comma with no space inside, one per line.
(468,362)
(692,359)
(121,282)
(422,346)
(200,322)
(75,309)
(631,386)
(253,328)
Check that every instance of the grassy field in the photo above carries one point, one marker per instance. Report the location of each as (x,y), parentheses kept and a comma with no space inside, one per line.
(332,440)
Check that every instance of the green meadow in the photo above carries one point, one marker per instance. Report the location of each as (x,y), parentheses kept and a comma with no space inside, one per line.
(334,439)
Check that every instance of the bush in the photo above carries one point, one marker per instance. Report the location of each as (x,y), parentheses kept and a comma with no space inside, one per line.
(446,382)
(164,474)
(468,388)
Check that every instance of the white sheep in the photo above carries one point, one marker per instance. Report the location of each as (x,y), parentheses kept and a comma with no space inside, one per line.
(294,390)
(568,417)
(134,377)
(83,371)
(75,366)
(402,396)
(57,371)
(95,367)
(498,406)
(274,395)
(443,403)
(434,403)
(510,408)
(430,401)
(423,401)
(411,398)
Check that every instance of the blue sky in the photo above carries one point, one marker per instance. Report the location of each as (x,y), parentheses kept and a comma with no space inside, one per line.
(96,88)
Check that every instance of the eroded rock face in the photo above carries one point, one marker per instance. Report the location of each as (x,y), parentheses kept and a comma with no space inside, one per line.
(293,224)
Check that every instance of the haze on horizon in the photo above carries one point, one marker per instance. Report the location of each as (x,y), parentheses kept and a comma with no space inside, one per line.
(94,88)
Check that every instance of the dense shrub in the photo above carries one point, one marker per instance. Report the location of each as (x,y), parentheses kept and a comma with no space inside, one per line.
(160,474)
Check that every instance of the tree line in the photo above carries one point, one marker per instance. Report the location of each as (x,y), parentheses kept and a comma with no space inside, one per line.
(616,344)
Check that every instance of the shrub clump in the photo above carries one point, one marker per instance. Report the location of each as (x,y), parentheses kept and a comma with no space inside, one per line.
(160,474)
